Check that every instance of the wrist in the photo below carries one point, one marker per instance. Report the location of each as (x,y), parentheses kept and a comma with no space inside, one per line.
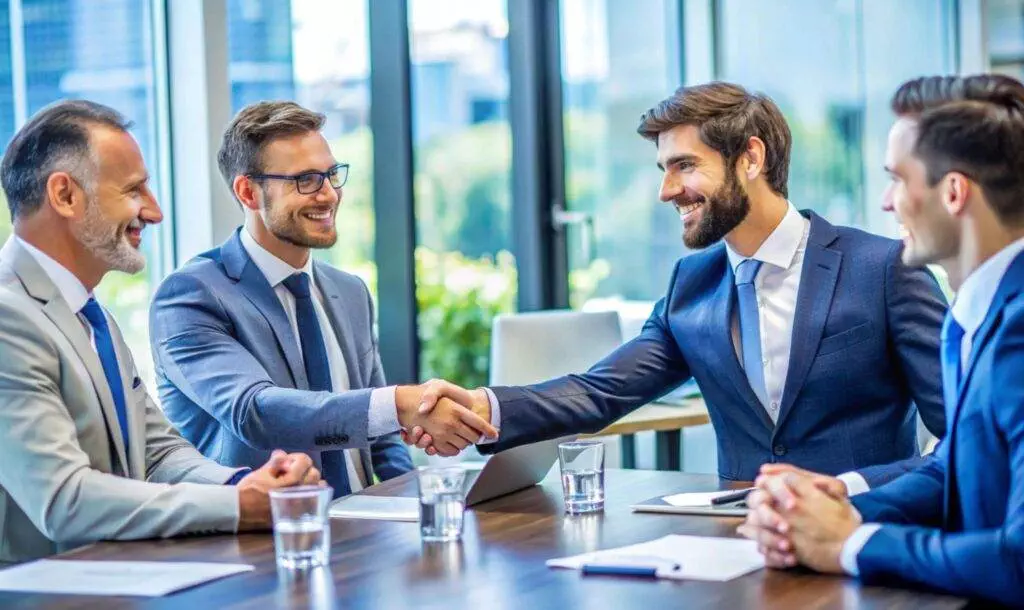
(407,403)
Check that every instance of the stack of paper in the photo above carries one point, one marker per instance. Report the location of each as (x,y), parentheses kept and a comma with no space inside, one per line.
(696,557)
(144,578)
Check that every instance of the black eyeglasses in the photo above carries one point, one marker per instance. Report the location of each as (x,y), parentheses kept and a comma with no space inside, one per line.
(308,183)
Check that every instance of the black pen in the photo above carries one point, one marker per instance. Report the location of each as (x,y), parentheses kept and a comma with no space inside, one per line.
(735,496)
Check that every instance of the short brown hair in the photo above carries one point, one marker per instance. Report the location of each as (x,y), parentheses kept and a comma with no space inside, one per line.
(256,126)
(918,95)
(727,115)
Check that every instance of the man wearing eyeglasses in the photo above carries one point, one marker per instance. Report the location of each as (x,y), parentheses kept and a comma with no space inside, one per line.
(258,346)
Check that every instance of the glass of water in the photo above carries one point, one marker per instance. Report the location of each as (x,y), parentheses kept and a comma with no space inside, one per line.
(302,531)
(442,502)
(582,466)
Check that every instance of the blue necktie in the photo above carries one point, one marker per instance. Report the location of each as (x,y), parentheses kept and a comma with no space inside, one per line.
(108,358)
(318,372)
(952,340)
(750,327)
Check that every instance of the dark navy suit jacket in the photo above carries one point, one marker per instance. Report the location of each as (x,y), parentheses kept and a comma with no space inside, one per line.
(957,523)
(865,350)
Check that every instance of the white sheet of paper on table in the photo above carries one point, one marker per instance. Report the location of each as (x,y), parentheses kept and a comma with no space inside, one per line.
(139,578)
(383,508)
(694,499)
(699,557)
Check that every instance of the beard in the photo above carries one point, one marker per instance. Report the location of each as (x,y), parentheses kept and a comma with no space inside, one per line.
(108,241)
(723,211)
(288,228)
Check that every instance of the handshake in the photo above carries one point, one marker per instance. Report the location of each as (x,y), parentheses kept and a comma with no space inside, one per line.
(443,418)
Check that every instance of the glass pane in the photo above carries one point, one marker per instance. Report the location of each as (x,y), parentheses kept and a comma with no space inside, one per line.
(855,53)
(465,273)
(101,51)
(316,52)
(1004,26)
(614,67)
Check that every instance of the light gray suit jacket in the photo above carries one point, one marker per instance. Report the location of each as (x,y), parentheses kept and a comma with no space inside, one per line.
(65,478)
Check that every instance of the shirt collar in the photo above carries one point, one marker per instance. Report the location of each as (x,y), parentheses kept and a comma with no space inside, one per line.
(781,246)
(273,268)
(70,287)
(974,298)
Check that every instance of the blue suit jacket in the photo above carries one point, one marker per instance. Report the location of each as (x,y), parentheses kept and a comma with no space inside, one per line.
(230,371)
(957,523)
(865,349)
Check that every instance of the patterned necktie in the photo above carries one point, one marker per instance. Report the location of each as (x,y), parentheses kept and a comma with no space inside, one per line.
(750,327)
(318,372)
(108,358)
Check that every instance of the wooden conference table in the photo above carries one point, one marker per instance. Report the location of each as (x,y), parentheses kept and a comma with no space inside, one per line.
(499,564)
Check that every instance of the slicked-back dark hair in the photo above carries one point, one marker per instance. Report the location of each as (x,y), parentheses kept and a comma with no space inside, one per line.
(55,139)
(973,125)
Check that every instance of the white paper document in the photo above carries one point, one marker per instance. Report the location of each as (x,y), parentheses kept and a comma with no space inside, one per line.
(384,508)
(678,557)
(141,578)
(695,499)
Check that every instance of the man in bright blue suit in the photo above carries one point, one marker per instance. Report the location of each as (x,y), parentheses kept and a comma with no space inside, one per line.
(257,345)
(811,343)
(956,156)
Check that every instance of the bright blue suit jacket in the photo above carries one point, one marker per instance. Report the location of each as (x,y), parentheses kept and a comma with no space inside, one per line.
(957,523)
(230,371)
(865,349)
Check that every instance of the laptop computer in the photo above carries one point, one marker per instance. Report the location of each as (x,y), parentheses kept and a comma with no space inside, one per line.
(512,470)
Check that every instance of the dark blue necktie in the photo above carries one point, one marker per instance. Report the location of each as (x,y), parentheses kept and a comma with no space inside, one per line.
(750,327)
(108,357)
(952,367)
(318,372)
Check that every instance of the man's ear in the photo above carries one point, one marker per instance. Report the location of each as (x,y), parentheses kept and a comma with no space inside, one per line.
(247,192)
(64,195)
(956,190)
(752,160)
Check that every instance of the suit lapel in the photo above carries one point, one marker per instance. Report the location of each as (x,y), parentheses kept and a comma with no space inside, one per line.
(39,286)
(340,321)
(254,286)
(721,341)
(814,299)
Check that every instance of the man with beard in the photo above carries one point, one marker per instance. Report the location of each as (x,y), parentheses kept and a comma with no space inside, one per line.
(257,345)
(811,343)
(85,454)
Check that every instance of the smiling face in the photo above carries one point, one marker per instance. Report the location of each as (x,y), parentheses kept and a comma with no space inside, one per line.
(710,200)
(930,233)
(119,203)
(302,220)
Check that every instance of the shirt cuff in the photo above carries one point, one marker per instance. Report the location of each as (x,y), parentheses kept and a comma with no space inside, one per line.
(238,476)
(853,546)
(855,483)
(383,416)
(495,417)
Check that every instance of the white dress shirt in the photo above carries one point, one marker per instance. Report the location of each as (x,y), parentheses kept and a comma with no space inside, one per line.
(68,285)
(970,307)
(381,399)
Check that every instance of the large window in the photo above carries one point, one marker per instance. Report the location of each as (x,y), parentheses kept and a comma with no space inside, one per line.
(465,273)
(618,60)
(1004,25)
(101,50)
(315,52)
(833,83)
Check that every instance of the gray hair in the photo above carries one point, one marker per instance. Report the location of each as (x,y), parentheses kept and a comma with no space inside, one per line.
(56,139)
(256,126)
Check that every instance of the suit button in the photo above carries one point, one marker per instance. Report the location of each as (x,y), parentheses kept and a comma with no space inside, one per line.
(779,450)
